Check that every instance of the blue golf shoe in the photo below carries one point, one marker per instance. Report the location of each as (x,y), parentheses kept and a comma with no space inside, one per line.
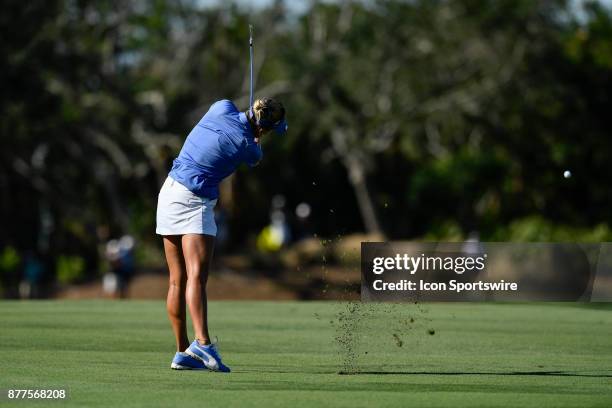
(208,355)
(183,361)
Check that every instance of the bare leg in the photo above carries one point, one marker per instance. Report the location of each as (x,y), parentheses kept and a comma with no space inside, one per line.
(198,251)
(175,303)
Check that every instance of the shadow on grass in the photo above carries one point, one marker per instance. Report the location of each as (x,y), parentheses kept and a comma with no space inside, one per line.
(432,373)
(512,373)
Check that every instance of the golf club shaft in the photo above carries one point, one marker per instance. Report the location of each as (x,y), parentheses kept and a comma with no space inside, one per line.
(251,66)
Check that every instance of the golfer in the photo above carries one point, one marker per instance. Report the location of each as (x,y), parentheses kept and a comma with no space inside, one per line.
(222,140)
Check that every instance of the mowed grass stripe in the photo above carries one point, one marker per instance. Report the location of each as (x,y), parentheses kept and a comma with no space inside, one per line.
(117,353)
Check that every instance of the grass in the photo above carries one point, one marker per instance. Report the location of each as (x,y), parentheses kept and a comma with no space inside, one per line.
(289,354)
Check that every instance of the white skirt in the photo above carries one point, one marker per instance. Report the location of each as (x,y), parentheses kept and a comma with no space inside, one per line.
(179,211)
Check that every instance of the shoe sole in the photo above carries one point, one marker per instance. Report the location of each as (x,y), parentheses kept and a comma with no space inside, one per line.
(175,366)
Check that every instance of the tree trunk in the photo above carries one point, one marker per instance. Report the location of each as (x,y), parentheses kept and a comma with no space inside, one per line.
(364,200)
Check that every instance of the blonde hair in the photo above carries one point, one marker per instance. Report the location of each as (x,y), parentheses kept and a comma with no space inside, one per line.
(268,110)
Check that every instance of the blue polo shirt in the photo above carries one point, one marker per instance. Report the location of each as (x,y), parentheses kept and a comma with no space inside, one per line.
(217,145)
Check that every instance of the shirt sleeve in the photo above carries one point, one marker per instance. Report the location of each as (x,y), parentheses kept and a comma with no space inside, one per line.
(253,153)
(222,107)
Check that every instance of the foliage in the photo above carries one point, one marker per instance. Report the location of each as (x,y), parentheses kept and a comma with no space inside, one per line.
(421,118)
(70,269)
(9,259)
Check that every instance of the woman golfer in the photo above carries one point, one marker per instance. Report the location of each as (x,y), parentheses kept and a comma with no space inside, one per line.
(222,140)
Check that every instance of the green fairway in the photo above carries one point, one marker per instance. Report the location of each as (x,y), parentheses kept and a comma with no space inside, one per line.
(117,353)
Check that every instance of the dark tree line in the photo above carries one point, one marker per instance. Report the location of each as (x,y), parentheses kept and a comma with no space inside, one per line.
(411,119)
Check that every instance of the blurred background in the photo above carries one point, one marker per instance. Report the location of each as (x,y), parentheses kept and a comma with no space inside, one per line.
(408,120)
